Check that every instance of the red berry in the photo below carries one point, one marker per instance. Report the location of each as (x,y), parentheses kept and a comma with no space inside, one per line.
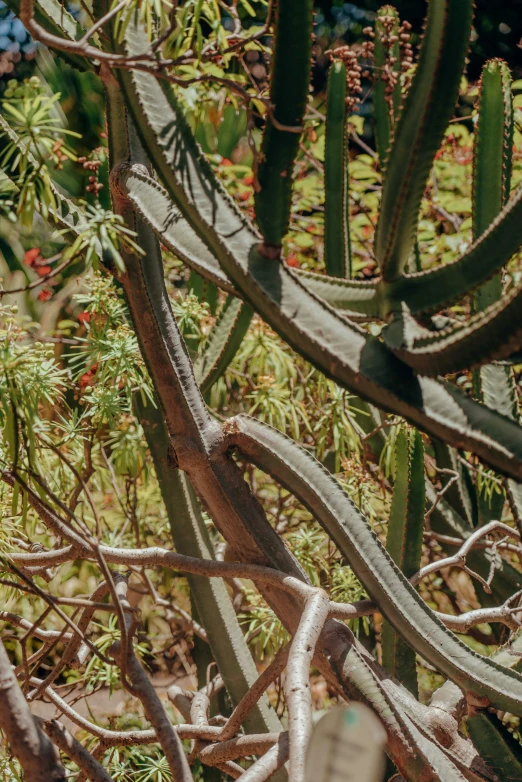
(43,270)
(31,256)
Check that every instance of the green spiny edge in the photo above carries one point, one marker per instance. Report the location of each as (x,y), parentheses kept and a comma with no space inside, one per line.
(290,80)
(404,544)
(337,251)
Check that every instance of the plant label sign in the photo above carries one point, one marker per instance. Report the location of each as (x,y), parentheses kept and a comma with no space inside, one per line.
(347,745)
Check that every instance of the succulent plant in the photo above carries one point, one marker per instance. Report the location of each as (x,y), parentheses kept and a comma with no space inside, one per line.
(165,189)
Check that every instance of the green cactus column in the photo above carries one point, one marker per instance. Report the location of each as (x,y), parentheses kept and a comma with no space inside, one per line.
(288,95)
(404,544)
(337,249)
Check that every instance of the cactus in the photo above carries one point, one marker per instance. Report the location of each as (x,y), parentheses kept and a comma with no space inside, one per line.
(337,249)
(164,187)
(387,96)
(404,544)
(288,96)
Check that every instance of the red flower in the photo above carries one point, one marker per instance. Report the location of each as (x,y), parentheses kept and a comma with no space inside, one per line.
(31,256)
(45,295)
(87,379)
(248,179)
(43,270)
(84,317)
(226,162)
(293,261)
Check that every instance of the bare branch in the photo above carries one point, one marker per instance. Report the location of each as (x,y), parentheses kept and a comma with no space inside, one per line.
(297,686)
(269,763)
(60,736)
(27,742)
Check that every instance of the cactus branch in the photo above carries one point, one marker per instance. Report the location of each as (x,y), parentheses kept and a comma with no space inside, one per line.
(288,97)
(337,250)
(420,130)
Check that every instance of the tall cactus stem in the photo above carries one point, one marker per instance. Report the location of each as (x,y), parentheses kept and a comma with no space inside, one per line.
(386,112)
(337,246)
(288,96)
(492,161)
(404,544)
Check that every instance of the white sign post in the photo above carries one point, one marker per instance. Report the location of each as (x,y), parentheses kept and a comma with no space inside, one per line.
(347,745)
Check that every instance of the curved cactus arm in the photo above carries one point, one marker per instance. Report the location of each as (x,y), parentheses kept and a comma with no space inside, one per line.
(492,161)
(385,115)
(492,334)
(151,201)
(432,290)
(358,299)
(411,742)
(342,350)
(213,604)
(337,246)
(404,544)
(289,85)
(363,365)
(223,342)
(55,19)
(501,752)
(400,604)
(420,130)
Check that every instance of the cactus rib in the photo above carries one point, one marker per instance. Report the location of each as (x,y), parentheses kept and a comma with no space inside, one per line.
(420,130)
(288,96)
(492,161)
(152,202)
(337,250)
(431,290)
(502,752)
